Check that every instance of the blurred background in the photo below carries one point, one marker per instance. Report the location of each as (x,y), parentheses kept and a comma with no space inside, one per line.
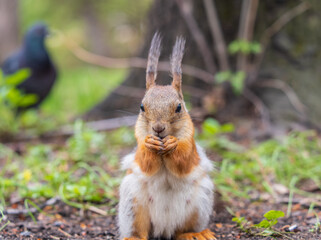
(112,28)
(254,61)
(68,101)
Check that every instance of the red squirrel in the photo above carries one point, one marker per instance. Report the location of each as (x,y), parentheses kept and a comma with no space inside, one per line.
(167,192)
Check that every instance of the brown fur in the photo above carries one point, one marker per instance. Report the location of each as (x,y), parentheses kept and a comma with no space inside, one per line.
(142,223)
(183,159)
(186,232)
(148,160)
(189,225)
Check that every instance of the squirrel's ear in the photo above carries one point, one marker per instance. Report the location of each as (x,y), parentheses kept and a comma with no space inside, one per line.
(153,56)
(176,63)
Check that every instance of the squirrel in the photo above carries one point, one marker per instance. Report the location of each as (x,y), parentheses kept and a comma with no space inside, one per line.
(166,192)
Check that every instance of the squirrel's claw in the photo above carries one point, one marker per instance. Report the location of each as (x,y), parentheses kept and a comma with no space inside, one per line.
(170,143)
(154,143)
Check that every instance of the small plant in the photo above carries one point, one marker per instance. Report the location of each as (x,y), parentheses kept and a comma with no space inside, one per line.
(11,99)
(265,227)
(242,223)
(1,219)
(212,135)
(317,226)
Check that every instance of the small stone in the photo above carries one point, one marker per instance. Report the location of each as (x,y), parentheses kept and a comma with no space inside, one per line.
(25,234)
(58,224)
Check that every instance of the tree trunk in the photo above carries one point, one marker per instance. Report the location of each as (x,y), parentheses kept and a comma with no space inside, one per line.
(8,27)
(164,17)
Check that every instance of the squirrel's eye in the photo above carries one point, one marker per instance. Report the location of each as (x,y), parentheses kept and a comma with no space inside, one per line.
(178,109)
(142,107)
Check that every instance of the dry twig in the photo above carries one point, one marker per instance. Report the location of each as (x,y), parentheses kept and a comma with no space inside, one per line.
(64,233)
(108,62)
(49,202)
(185,7)
(288,91)
(246,28)
(260,106)
(215,26)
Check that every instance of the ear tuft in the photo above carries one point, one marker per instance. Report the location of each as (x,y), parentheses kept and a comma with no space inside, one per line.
(153,56)
(176,62)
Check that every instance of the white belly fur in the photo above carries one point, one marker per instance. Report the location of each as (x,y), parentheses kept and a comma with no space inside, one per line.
(171,201)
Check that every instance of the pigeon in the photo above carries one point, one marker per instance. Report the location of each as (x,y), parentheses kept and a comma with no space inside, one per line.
(34,56)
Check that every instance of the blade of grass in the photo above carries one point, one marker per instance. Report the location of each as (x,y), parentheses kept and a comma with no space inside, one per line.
(29,212)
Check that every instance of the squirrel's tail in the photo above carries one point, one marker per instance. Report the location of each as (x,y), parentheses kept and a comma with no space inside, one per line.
(153,56)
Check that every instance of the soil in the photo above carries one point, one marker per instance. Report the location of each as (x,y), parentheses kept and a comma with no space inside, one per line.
(61,221)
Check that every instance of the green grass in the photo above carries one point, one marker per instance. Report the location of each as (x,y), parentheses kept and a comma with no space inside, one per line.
(84,171)
(289,162)
(79,89)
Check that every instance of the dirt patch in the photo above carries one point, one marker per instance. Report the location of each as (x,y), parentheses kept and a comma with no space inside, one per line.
(61,221)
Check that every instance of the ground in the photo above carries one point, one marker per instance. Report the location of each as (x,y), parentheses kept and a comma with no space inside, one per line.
(61,221)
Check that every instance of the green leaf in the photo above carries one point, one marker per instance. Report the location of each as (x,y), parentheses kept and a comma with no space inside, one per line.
(256,47)
(238,82)
(211,126)
(267,232)
(228,127)
(13,96)
(28,100)
(272,215)
(223,76)
(17,77)
(263,224)
(234,47)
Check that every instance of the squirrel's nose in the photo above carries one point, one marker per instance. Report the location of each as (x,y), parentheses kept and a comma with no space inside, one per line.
(158,129)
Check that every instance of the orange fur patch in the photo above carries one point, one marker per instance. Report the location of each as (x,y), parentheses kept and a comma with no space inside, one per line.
(142,224)
(189,225)
(148,161)
(183,159)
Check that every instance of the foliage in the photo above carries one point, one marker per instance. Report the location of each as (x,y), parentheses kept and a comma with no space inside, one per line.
(10,95)
(212,136)
(264,228)
(245,47)
(235,79)
(317,224)
(11,98)
(81,173)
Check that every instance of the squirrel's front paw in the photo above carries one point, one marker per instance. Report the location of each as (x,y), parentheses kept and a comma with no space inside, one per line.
(154,143)
(170,143)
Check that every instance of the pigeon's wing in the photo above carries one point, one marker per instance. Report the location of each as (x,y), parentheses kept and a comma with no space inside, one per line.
(13,63)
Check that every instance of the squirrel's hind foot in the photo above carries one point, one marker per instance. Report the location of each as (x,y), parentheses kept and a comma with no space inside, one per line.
(204,235)
(134,238)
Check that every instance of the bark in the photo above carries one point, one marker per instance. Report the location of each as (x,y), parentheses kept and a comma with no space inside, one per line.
(8,27)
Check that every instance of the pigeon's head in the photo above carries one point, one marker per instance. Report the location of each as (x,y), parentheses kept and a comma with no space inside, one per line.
(34,41)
